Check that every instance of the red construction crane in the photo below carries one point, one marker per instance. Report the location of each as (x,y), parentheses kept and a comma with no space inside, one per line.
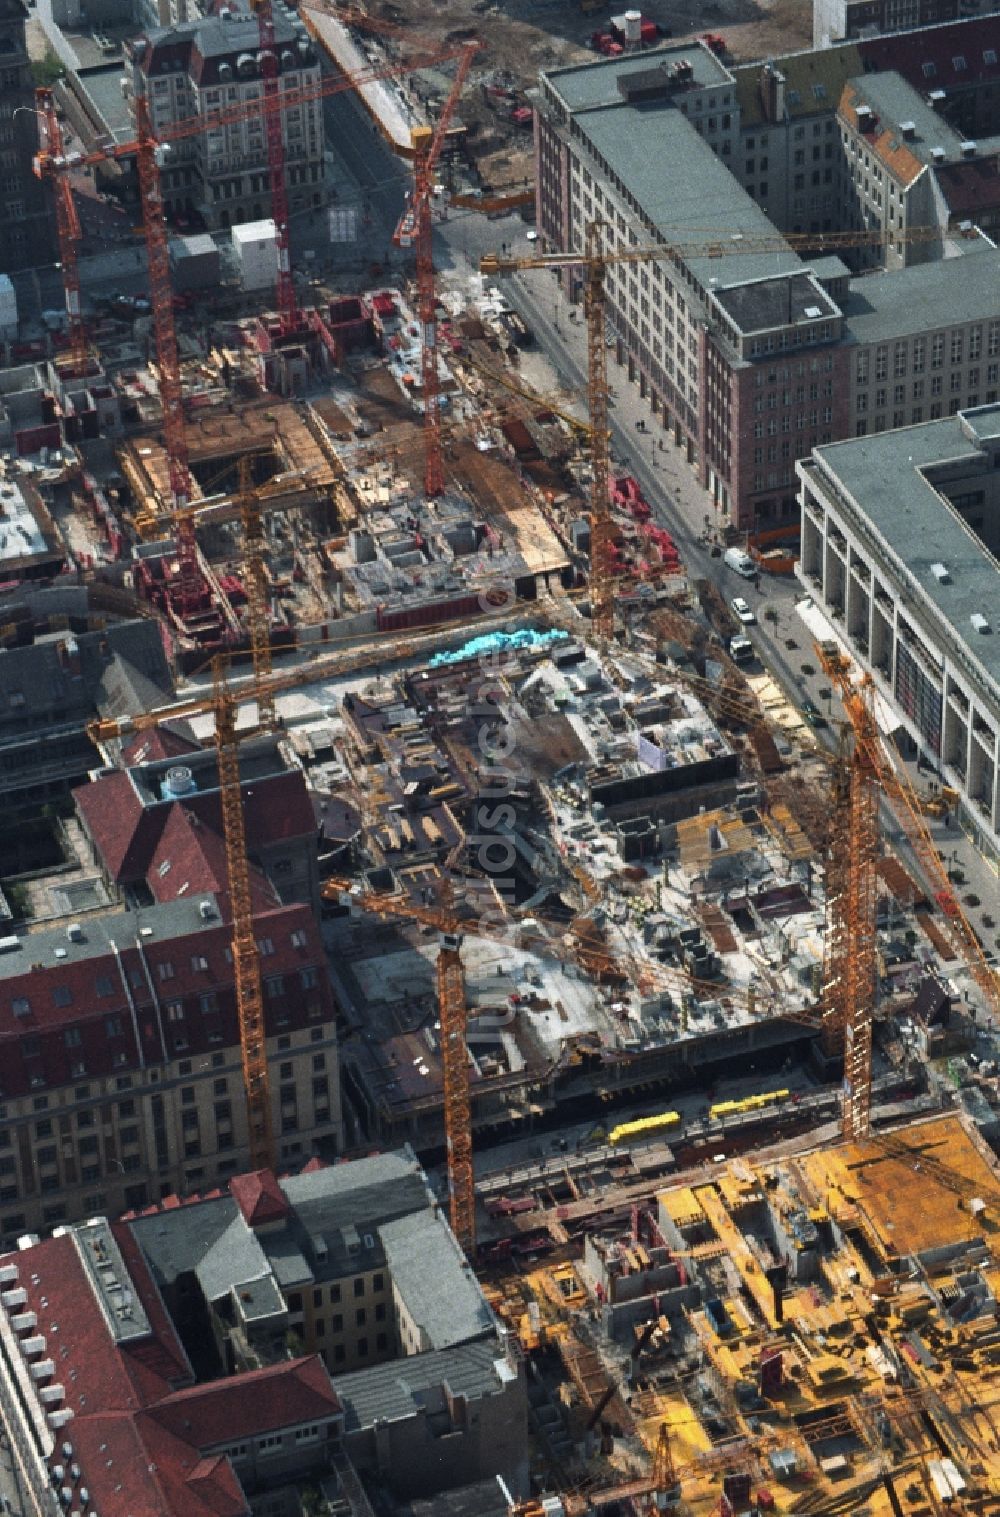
(288,307)
(51,152)
(149,153)
(416,230)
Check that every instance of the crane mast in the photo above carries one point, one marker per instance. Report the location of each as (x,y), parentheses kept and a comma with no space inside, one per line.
(288,311)
(602,606)
(49,160)
(416,229)
(255,579)
(457,1102)
(246,956)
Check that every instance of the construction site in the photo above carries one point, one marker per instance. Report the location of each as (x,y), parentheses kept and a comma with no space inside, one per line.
(618,941)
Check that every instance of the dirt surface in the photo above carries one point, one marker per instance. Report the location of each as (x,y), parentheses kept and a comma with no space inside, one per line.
(522,37)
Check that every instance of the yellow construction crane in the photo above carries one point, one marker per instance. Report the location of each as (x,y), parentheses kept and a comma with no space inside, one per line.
(595,259)
(660,1491)
(866,773)
(453,1017)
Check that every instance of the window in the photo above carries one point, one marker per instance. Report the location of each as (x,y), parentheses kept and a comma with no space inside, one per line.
(61,995)
(335,1295)
(275,986)
(165,970)
(221,1087)
(359,1286)
(265,947)
(21,1006)
(380,1312)
(72,1037)
(43,1129)
(175,1011)
(381,1343)
(300,939)
(113,1027)
(337,1322)
(269,1441)
(104,985)
(309,979)
(959,64)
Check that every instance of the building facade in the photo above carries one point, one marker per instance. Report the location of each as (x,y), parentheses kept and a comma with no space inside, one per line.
(842,20)
(122,1075)
(900,541)
(82,1310)
(750,354)
(27,233)
(212,68)
(53,682)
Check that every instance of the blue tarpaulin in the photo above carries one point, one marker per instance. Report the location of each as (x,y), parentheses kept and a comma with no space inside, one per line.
(499,642)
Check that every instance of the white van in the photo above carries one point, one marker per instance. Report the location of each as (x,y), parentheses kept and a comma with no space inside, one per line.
(735,558)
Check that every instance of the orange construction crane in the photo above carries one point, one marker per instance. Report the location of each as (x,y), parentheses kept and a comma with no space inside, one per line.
(837,945)
(660,1491)
(872,774)
(258,595)
(288,307)
(594,259)
(52,151)
(246,956)
(454,1051)
(149,153)
(416,230)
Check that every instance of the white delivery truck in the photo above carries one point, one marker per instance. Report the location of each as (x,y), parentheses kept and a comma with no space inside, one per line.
(735,558)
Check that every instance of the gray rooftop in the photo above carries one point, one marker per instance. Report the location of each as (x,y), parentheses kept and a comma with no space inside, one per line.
(895,101)
(175,1242)
(768,303)
(405,1387)
(889,476)
(420,1254)
(814,80)
(899,304)
(217,36)
(346,1205)
(36,680)
(583,86)
(54,947)
(103,84)
(702,205)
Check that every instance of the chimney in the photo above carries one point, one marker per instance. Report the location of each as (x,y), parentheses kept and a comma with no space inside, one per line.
(772,89)
(69,658)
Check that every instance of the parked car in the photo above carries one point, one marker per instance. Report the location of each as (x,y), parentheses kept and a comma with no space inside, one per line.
(742,610)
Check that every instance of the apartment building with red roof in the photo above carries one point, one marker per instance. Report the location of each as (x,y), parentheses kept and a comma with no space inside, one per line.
(193,1360)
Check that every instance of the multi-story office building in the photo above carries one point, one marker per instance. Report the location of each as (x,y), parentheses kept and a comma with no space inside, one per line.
(205,66)
(155,825)
(156,1364)
(746,349)
(843,20)
(62,664)
(27,235)
(900,540)
(121,1071)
